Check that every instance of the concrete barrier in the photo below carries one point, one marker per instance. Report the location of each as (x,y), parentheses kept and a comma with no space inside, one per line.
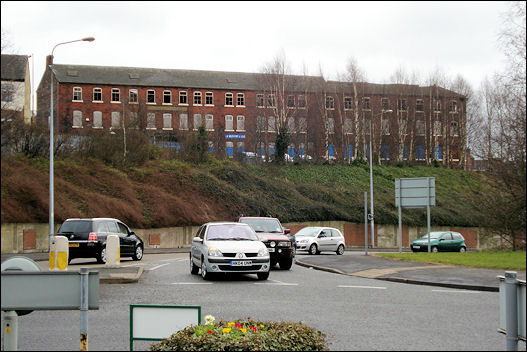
(113,252)
(58,253)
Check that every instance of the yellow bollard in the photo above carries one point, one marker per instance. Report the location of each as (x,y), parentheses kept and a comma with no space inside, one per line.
(58,253)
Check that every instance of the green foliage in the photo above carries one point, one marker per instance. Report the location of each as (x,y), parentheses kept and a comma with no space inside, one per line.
(245,335)
(282,142)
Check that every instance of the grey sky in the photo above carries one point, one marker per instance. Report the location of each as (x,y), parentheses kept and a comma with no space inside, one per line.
(456,37)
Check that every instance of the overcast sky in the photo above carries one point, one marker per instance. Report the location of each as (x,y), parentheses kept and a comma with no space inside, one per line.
(455,37)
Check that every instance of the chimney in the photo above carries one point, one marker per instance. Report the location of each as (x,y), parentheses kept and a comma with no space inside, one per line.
(49,60)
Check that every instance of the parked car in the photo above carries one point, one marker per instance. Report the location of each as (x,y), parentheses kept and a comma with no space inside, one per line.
(320,239)
(440,241)
(87,238)
(278,240)
(228,247)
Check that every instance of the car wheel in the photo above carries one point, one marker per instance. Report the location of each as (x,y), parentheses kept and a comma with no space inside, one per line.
(273,262)
(286,264)
(138,255)
(463,249)
(70,259)
(313,249)
(263,276)
(101,257)
(340,250)
(204,274)
(435,249)
(194,269)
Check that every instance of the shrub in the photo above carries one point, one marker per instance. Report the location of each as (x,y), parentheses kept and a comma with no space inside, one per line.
(244,335)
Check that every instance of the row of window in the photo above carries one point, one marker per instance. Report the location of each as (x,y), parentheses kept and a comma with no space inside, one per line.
(402,104)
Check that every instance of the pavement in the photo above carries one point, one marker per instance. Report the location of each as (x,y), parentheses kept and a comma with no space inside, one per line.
(354,262)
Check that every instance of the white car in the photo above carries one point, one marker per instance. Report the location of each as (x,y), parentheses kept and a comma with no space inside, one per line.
(320,239)
(228,247)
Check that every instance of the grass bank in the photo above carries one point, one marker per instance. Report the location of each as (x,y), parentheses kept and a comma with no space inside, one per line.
(511,260)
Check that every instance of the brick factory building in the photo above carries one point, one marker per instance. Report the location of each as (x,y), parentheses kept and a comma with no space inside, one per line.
(242,112)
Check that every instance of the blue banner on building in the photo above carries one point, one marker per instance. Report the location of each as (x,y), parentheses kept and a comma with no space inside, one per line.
(234,136)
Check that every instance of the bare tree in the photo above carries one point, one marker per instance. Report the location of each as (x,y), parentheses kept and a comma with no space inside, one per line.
(355,76)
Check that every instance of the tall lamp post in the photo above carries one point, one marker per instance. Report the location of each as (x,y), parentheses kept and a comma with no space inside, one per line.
(51,147)
(371,217)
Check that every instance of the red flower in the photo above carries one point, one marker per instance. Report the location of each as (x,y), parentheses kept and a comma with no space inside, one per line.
(238,325)
(210,332)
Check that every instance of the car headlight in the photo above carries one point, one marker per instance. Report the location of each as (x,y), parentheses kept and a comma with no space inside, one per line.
(284,244)
(272,244)
(263,252)
(303,241)
(214,252)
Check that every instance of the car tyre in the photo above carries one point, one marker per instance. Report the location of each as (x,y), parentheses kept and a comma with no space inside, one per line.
(286,264)
(204,274)
(273,262)
(435,249)
(194,269)
(313,249)
(138,254)
(340,250)
(101,256)
(263,276)
(463,249)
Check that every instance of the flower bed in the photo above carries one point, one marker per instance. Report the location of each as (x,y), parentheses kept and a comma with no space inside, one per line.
(244,335)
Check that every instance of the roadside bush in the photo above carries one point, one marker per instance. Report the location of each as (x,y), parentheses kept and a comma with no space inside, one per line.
(244,335)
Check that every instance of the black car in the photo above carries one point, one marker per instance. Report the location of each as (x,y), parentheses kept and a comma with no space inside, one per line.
(87,238)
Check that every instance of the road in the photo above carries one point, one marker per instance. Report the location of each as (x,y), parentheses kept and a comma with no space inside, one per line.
(356,313)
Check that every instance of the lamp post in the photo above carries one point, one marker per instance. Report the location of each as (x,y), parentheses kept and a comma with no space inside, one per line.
(51,147)
(371,217)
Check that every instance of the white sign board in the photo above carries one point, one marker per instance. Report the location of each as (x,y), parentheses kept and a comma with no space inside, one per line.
(418,192)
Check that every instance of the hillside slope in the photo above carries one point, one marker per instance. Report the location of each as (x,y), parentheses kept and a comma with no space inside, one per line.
(174,193)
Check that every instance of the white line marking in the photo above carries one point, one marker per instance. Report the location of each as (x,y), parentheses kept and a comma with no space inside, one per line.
(172,260)
(139,264)
(158,266)
(378,288)
(192,283)
(275,282)
(456,291)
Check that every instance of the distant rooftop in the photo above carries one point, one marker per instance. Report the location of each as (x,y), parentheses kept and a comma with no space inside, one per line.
(14,67)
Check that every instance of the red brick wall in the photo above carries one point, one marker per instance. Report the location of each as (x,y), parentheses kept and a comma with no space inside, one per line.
(471,236)
(30,239)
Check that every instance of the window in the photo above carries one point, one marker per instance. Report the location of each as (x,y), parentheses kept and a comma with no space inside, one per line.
(419,152)
(183,97)
(97,119)
(302,125)
(151,120)
(229,123)
(419,105)
(133,95)
(291,124)
(167,121)
(437,128)
(240,99)
(290,101)
(209,122)
(452,106)
(419,127)
(385,151)
(209,98)
(404,149)
(229,149)
(330,103)
(116,95)
(454,131)
(403,126)
(271,102)
(271,125)
(133,119)
(437,153)
(228,99)
(348,126)
(150,96)
(116,119)
(385,103)
(167,97)
(197,98)
(260,100)
(260,124)
(77,119)
(348,103)
(183,122)
(271,148)
(8,93)
(240,123)
(402,105)
(197,121)
(302,101)
(240,147)
(331,125)
(77,93)
(348,151)
(385,126)
(366,103)
(437,105)
(97,94)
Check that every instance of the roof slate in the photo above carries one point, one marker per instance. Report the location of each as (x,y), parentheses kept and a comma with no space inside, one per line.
(14,67)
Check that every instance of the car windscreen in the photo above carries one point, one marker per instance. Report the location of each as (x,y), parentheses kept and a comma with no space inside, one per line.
(263,225)
(76,226)
(308,232)
(433,235)
(230,232)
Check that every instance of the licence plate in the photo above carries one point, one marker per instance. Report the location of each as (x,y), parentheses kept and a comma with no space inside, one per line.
(270,250)
(417,247)
(241,263)
(73,245)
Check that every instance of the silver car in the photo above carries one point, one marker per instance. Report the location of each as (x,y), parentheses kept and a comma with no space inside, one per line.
(319,239)
(228,247)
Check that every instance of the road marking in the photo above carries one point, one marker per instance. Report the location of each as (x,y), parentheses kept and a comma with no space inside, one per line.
(192,283)
(374,273)
(456,291)
(158,266)
(375,287)
(173,260)
(275,282)
(138,264)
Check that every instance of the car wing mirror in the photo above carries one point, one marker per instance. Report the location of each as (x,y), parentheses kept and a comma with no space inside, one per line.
(197,239)
(286,231)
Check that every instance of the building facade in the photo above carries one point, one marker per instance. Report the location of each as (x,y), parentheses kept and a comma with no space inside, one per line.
(242,112)
(16,88)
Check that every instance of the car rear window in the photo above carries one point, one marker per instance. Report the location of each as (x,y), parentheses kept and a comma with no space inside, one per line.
(74,226)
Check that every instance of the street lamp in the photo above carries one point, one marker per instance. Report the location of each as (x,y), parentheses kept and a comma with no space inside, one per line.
(371,217)
(51,147)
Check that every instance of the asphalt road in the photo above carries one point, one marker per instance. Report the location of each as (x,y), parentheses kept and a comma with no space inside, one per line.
(356,313)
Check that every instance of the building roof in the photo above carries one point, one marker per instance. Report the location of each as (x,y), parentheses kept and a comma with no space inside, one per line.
(364,88)
(14,67)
